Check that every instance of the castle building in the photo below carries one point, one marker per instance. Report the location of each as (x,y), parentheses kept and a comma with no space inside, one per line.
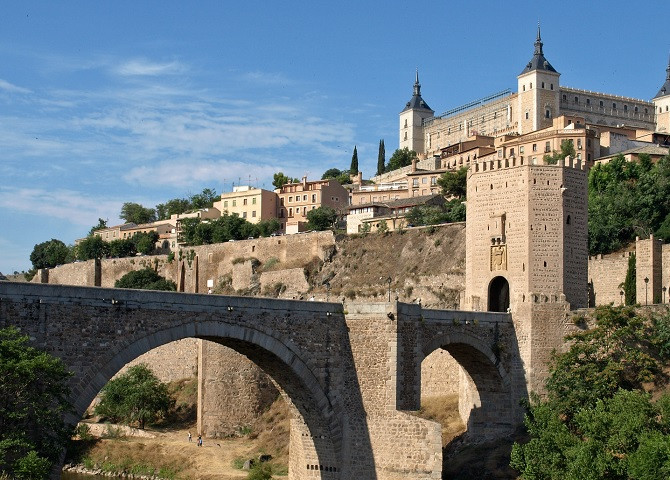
(540,98)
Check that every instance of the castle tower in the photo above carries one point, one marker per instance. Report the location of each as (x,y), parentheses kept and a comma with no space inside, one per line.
(411,120)
(526,251)
(526,234)
(538,92)
(662,104)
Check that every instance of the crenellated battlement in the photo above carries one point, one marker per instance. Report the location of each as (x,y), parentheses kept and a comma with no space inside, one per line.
(513,162)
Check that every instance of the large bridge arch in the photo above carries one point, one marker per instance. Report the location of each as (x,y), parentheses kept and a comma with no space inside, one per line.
(485,387)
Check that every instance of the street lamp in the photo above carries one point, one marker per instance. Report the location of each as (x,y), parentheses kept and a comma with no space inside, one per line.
(621,293)
(388,280)
(646,284)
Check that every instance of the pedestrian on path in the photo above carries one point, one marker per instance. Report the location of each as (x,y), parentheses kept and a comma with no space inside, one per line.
(190,437)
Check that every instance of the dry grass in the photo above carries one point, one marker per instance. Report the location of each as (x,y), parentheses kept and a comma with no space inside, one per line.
(443,410)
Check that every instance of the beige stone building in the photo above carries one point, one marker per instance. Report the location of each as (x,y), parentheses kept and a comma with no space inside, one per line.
(176,219)
(252,204)
(390,212)
(539,99)
(296,199)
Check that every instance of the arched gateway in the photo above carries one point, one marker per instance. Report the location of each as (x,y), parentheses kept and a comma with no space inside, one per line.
(498,295)
(349,378)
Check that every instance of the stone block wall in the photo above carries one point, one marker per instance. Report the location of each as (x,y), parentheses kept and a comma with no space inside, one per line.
(606,273)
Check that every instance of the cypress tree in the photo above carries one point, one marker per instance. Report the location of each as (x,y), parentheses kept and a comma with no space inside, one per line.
(630,285)
(353,170)
(381,158)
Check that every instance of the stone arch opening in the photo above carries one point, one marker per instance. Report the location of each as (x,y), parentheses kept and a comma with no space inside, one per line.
(472,373)
(315,434)
(498,300)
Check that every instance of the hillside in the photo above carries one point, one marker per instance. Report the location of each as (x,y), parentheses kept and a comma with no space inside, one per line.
(426,264)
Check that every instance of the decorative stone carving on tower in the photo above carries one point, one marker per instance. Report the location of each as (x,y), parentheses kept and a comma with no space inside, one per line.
(538,91)
(662,104)
(411,120)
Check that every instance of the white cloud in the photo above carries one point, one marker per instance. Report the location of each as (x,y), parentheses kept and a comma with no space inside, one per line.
(5,85)
(75,207)
(266,78)
(142,67)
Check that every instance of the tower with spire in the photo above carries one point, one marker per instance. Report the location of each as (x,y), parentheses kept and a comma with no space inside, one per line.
(662,104)
(538,91)
(411,119)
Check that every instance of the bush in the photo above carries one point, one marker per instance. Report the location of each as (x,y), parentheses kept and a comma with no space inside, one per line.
(145,279)
(260,471)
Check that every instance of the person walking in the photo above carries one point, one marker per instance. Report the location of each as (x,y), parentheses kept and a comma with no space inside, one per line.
(190,437)
(200,440)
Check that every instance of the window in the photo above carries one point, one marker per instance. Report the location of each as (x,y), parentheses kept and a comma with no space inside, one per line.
(281,213)
(253,213)
(415,182)
(579,144)
(234,203)
(290,212)
(524,88)
(576,99)
(601,103)
(244,214)
(304,210)
(552,86)
(625,108)
(405,135)
(535,147)
(314,198)
(521,149)
(547,147)
(542,84)
(290,199)
(511,152)
(304,198)
(613,106)
(424,180)
(635,109)
(405,123)
(531,86)
(433,180)
(225,204)
(547,113)
(565,97)
(588,101)
(244,201)
(253,201)
(526,115)
(281,201)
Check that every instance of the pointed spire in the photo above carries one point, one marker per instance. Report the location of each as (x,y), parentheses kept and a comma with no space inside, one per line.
(665,89)
(667,77)
(538,41)
(417,85)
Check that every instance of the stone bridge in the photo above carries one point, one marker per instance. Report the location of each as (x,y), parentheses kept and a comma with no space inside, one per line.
(350,373)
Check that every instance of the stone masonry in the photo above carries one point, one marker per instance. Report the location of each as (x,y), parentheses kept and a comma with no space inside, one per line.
(349,375)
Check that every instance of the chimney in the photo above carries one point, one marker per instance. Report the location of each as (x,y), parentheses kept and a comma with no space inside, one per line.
(414,160)
(304,182)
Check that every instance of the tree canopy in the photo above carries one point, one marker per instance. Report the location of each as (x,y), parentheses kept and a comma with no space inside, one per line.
(400,158)
(321,218)
(33,400)
(597,420)
(145,279)
(102,224)
(279,180)
(451,211)
(628,199)
(381,158)
(135,397)
(50,253)
(136,213)
(225,228)
(454,183)
(567,150)
(92,247)
(353,169)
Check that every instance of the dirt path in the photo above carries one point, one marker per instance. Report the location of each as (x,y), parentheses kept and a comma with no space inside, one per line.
(213,461)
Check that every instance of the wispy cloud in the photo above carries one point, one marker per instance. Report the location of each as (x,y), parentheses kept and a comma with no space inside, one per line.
(143,67)
(266,78)
(5,85)
(73,206)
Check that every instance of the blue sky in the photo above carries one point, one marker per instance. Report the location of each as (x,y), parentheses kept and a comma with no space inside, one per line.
(103,103)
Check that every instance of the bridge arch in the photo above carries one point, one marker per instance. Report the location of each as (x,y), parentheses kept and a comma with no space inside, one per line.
(321,436)
(484,386)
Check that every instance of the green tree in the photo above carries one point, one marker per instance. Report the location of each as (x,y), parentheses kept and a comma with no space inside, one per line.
(451,211)
(400,158)
(135,397)
(353,170)
(331,173)
(122,247)
(33,401)
(454,184)
(265,228)
(381,158)
(204,199)
(567,150)
(49,254)
(145,242)
(136,213)
(102,224)
(92,247)
(597,421)
(321,218)
(260,471)
(145,279)
(279,180)
(175,206)
(630,283)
